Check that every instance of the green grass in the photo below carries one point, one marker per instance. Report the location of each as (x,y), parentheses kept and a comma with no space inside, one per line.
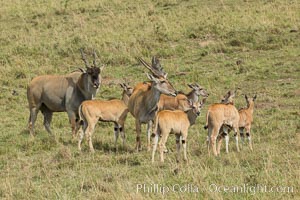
(197,41)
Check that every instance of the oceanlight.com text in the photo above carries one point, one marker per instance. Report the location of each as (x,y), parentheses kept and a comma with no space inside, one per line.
(251,189)
(213,188)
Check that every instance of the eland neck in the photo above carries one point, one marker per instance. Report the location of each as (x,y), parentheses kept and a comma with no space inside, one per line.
(193,96)
(191,116)
(125,98)
(251,107)
(152,98)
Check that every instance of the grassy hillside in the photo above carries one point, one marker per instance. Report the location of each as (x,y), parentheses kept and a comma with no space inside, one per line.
(221,45)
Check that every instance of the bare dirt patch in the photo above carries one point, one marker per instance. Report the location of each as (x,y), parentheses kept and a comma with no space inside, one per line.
(206,43)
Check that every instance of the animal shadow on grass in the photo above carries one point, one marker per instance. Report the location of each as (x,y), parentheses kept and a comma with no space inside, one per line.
(40,141)
(68,142)
(104,147)
(198,152)
(25,132)
(131,161)
(108,147)
(39,134)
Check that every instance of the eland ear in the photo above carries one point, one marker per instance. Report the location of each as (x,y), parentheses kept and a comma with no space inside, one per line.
(152,78)
(125,85)
(122,85)
(165,75)
(190,85)
(254,97)
(82,70)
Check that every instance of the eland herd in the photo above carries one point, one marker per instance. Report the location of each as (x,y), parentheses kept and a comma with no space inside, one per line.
(154,102)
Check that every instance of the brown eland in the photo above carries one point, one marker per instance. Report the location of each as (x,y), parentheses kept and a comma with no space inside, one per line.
(221,116)
(246,119)
(114,110)
(143,101)
(177,122)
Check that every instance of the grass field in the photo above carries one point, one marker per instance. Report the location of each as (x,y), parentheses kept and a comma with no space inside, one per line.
(197,41)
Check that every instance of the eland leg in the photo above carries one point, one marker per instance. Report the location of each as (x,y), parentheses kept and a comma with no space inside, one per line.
(138,135)
(32,118)
(47,118)
(116,131)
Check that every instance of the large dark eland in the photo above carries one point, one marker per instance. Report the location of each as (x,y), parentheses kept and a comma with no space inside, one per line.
(62,93)
(142,104)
